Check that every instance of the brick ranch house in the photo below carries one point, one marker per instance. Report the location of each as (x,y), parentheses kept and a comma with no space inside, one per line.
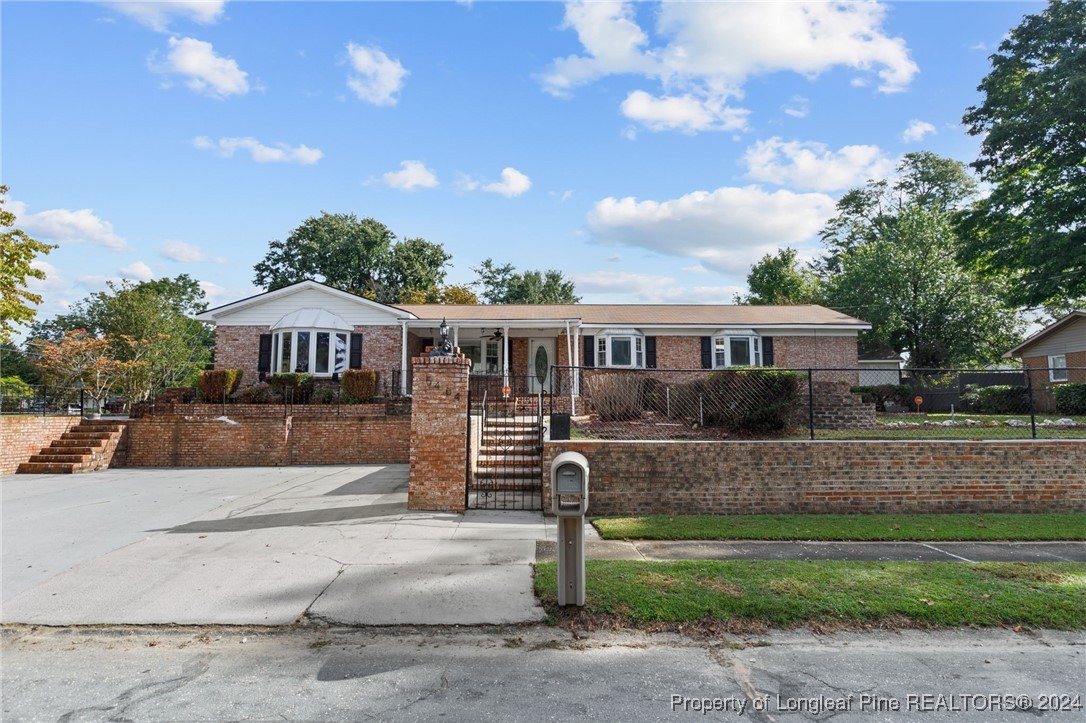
(314,328)
(1058,351)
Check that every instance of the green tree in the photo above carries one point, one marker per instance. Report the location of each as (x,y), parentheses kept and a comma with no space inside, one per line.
(413,265)
(779,279)
(14,363)
(1032,228)
(909,285)
(17,254)
(504,285)
(148,329)
(356,255)
(452,294)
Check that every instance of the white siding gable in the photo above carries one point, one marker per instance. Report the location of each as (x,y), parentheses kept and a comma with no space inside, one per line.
(267,312)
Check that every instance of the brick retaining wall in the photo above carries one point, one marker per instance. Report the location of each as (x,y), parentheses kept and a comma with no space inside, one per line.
(629,478)
(22,436)
(267,441)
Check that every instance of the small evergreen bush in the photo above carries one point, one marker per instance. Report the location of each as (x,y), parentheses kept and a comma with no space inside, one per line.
(359,386)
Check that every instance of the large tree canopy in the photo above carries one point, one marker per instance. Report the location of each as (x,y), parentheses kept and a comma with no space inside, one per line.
(504,285)
(1033,122)
(17,254)
(356,255)
(892,259)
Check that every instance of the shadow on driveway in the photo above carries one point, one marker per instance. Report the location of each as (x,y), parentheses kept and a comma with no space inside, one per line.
(289,519)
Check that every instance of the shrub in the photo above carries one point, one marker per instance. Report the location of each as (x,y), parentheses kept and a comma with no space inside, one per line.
(616,397)
(323,394)
(215,384)
(999,399)
(359,386)
(753,400)
(294,387)
(258,394)
(13,393)
(1070,398)
(880,394)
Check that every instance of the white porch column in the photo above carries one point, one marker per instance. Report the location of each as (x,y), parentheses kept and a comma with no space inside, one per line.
(456,336)
(403,358)
(575,362)
(505,357)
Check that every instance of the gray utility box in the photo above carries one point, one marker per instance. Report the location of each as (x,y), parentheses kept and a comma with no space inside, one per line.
(569,502)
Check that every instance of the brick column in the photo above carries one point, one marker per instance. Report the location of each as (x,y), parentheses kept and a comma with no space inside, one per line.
(439,418)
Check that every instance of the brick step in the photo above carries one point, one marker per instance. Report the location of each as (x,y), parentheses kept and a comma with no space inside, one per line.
(48,468)
(65,458)
(521,473)
(491,422)
(77,443)
(86,435)
(99,425)
(69,450)
(508,460)
(509,448)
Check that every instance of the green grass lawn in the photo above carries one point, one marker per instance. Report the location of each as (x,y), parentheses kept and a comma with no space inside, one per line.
(828,593)
(964,527)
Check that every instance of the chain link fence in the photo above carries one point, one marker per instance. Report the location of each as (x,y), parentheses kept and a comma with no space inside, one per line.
(820,403)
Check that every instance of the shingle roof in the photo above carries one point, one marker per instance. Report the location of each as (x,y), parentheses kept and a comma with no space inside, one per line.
(655,314)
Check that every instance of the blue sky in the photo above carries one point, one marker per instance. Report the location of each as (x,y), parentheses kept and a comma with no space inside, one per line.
(651,152)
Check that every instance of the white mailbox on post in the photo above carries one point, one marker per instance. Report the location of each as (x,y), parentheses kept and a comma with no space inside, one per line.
(569,502)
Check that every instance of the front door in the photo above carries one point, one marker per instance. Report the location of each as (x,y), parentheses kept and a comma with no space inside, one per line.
(540,360)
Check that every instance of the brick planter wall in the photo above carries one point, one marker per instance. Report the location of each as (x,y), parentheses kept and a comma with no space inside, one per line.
(266,441)
(439,416)
(835,407)
(742,478)
(22,436)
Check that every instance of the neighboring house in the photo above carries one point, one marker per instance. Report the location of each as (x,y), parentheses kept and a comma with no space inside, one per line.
(314,328)
(880,367)
(1056,349)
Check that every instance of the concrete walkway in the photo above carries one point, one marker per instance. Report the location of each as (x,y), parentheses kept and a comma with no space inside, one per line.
(258,546)
(875,551)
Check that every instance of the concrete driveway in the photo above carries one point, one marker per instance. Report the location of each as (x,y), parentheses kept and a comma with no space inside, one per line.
(257,546)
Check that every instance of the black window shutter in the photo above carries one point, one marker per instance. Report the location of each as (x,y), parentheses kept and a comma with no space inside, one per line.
(650,352)
(706,352)
(263,359)
(427,343)
(589,351)
(356,352)
(767,351)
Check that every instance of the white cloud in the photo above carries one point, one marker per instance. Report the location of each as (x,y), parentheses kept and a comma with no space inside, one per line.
(279,153)
(684,113)
(157,14)
(205,72)
(917,130)
(799,107)
(725,230)
(650,288)
(379,78)
(59,225)
(813,166)
(215,295)
(415,174)
(186,253)
(513,183)
(707,51)
(138,271)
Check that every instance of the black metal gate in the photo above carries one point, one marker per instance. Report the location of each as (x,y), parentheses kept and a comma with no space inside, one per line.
(505,452)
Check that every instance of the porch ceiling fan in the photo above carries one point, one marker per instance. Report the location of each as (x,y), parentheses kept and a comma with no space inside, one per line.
(496,336)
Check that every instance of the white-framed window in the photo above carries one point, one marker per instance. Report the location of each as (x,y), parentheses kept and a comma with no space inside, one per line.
(1057,368)
(311,351)
(485,355)
(731,350)
(622,349)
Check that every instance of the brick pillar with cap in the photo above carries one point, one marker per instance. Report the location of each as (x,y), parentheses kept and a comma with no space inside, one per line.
(439,418)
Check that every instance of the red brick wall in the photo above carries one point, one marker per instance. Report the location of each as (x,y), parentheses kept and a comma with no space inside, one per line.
(22,436)
(266,441)
(740,478)
(269,410)
(826,352)
(439,416)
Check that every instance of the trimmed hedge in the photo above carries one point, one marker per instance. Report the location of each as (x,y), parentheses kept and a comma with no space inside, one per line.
(1070,398)
(754,400)
(359,386)
(998,399)
(217,384)
(294,387)
(616,396)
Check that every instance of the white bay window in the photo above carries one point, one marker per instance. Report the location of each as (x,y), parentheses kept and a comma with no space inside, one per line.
(309,351)
(737,349)
(622,349)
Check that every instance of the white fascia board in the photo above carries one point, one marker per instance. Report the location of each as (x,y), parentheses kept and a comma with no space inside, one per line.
(213,315)
(798,329)
(415,322)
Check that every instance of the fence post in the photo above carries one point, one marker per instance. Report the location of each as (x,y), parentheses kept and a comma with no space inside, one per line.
(81,392)
(810,400)
(1032,407)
